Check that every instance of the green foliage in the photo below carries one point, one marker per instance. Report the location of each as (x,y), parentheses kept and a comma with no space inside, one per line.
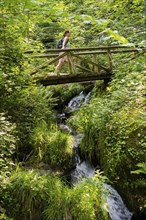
(90,119)
(142,168)
(113,125)
(48,198)
(28,106)
(3,215)
(34,195)
(20,97)
(53,146)
(86,200)
(7,145)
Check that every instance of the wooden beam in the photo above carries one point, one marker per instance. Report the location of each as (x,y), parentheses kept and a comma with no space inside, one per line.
(85,69)
(55,80)
(35,70)
(85,48)
(45,64)
(91,62)
(84,53)
(134,57)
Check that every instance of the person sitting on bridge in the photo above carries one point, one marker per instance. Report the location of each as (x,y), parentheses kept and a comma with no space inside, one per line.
(62,44)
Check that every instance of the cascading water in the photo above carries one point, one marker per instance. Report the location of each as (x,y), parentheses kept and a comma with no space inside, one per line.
(117,208)
(78,100)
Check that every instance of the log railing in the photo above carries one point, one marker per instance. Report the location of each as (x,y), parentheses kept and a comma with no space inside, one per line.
(76,56)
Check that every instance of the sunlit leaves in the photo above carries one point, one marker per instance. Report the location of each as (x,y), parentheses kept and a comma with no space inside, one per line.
(47,196)
(8,141)
(141,168)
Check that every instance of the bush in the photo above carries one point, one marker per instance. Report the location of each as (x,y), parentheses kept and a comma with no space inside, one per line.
(8,140)
(53,146)
(114,131)
(87,200)
(29,196)
(3,215)
(27,106)
(26,194)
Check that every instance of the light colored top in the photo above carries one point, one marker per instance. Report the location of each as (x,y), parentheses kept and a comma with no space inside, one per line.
(66,43)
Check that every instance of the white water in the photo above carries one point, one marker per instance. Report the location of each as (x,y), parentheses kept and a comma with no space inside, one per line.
(78,100)
(116,206)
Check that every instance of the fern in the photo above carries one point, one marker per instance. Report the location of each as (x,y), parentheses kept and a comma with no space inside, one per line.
(142,168)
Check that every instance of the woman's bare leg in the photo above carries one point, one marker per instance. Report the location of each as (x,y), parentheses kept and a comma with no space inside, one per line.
(58,67)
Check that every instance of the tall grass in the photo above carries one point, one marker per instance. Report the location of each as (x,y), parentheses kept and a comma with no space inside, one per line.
(29,196)
(114,129)
(53,146)
(26,194)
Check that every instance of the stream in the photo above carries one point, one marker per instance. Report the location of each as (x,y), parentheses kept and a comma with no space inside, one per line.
(83,169)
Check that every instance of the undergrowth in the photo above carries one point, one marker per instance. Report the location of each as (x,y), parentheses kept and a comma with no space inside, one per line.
(114,129)
(29,196)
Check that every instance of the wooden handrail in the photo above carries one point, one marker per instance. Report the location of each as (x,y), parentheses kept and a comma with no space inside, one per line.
(84,49)
(84,53)
(74,54)
(45,64)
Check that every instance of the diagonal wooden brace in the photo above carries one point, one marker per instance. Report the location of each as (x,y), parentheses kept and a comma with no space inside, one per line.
(72,67)
(45,64)
(91,62)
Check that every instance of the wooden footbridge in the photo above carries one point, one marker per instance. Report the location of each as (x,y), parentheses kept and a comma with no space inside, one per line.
(84,64)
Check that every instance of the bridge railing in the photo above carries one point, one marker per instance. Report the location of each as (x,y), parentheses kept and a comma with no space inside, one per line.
(76,56)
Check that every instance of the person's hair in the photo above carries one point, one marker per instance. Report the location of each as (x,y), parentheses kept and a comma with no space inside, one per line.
(66,32)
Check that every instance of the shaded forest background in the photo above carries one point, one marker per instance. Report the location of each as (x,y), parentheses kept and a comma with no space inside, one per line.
(113,123)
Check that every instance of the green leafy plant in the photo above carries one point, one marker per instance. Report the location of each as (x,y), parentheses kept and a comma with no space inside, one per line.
(53,146)
(49,198)
(113,124)
(3,215)
(34,195)
(8,140)
(142,169)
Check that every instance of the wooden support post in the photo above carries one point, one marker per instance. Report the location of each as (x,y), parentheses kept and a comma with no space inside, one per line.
(95,68)
(69,65)
(91,62)
(110,59)
(72,67)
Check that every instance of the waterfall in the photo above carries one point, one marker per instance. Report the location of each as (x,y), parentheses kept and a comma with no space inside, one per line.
(117,208)
(78,100)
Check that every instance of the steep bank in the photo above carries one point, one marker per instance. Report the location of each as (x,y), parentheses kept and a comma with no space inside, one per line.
(114,132)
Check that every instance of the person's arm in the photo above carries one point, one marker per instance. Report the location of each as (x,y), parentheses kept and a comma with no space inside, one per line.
(64,42)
